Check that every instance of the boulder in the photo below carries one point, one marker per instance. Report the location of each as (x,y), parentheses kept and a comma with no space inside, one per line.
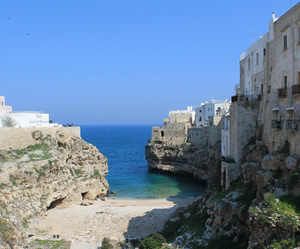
(273,162)
(292,163)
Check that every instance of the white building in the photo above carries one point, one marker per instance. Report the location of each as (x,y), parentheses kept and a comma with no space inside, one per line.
(210,109)
(253,64)
(23,119)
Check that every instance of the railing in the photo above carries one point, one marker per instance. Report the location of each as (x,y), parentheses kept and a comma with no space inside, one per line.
(296,89)
(276,124)
(282,93)
(292,124)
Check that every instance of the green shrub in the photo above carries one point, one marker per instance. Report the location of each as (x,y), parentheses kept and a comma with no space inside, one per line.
(154,241)
(283,244)
(106,244)
(150,243)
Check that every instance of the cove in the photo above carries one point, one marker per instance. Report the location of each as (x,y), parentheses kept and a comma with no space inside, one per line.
(124,147)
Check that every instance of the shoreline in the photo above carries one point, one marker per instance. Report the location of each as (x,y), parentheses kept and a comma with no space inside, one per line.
(86,226)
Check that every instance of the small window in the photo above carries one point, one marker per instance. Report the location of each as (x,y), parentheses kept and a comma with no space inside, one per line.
(242,71)
(285,42)
(285,82)
(249,64)
(265,52)
(257,58)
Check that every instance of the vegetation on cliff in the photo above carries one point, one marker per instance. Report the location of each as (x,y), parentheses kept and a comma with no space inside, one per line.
(54,171)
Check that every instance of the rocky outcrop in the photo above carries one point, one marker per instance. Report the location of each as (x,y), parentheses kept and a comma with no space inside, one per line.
(54,172)
(261,209)
(185,159)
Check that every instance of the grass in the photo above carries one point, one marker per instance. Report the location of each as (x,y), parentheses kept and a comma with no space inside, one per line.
(2,186)
(96,174)
(286,206)
(53,244)
(7,232)
(78,171)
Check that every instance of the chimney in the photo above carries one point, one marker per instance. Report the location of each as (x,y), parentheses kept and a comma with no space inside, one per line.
(273,15)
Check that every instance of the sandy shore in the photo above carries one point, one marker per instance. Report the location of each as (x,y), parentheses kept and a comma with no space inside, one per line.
(86,226)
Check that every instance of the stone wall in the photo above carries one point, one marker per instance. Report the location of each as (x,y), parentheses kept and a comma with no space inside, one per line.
(198,136)
(243,116)
(18,138)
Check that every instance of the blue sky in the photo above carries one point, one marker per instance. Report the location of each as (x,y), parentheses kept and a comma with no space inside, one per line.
(124,61)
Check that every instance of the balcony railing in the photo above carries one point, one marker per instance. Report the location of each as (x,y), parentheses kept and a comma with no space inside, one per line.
(282,93)
(296,89)
(292,124)
(234,98)
(276,124)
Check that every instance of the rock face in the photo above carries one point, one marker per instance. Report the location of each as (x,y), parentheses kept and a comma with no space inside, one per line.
(185,159)
(54,172)
(261,209)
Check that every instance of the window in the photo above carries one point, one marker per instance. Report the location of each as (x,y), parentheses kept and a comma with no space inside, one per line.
(285,82)
(242,71)
(285,42)
(265,52)
(257,58)
(249,64)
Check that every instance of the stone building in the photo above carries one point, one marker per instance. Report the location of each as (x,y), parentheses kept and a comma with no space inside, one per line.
(281,103)
(175,129)
(267,104)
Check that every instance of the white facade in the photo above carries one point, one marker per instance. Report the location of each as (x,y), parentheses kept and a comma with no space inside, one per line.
(3,107)
(253,63)
(24,119)
(206,110)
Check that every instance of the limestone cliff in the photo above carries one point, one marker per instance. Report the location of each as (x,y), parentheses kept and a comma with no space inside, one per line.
(261,209)
(55,171)
(202,164)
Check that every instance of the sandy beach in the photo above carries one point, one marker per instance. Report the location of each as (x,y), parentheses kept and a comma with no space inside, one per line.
(86,226)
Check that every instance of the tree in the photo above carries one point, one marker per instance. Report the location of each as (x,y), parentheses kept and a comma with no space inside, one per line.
(8,121)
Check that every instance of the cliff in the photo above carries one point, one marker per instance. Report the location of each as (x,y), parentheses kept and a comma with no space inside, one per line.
(203,164)
(261,209)
(54,171)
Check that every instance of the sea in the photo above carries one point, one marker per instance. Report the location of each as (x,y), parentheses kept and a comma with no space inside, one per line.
(124,147)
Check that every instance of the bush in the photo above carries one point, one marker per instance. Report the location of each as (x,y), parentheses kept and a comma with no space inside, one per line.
(154,241)
(150,243)
(106,244)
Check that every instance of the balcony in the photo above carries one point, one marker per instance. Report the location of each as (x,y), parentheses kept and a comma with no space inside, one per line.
(282,93)
(276,124)
(234,98)
(296,89)
(292,124)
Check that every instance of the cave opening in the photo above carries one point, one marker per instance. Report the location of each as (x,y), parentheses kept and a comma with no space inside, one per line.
(55,203)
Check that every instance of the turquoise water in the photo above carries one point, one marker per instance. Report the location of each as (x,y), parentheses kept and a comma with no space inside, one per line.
(124,147)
